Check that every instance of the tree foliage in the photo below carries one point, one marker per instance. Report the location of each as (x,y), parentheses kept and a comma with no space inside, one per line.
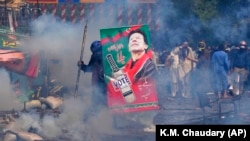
(205,10)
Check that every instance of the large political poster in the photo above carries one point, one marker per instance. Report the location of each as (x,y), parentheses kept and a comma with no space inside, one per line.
(23,67)
(15,60)
(130,84)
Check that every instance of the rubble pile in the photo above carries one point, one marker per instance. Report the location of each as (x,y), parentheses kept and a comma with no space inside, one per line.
(49,106)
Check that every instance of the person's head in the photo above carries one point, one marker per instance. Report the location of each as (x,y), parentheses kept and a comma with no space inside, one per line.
(185,44)
(137,41)
(221,47)
(96,47)
(201,45)
(243,45)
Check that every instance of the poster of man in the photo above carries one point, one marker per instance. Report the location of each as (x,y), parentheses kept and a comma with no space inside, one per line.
(128,68)
(22,67)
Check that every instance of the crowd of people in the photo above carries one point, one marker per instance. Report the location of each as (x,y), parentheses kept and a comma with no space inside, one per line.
(222,69)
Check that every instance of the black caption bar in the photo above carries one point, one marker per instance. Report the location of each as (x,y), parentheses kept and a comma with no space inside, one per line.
(216,132)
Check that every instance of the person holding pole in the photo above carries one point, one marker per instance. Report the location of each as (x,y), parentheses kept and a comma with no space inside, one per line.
(95,66)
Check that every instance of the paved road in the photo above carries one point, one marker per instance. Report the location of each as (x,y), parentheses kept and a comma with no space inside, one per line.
(189,111)
(182,111)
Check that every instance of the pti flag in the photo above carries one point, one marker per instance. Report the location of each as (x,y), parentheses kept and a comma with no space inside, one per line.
(17,61)
(128,68)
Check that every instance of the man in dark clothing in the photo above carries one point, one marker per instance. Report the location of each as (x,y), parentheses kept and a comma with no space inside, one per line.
(95,66)
(239,67)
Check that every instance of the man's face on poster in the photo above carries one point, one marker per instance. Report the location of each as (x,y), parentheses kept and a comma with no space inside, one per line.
(136,42)
(12,60)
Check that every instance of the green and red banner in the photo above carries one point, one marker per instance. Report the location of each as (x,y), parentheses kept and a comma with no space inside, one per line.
(13,59)
(123,93)
(22,66)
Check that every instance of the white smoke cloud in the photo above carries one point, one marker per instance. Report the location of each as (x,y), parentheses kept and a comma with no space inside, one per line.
(8,100)
(62,42)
